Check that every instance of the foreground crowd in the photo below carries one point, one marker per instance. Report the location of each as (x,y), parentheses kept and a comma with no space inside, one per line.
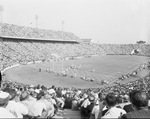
(131,100)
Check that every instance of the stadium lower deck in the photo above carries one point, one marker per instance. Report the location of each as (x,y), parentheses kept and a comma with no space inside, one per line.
(107,68)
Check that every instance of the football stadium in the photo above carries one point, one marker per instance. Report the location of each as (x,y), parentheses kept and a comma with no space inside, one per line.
(50,74)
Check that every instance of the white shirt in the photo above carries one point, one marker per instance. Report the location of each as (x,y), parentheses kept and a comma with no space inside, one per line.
(114,112)
(148,102)
(4,113)
(51,91)
(95,111)
(29,104)
(86,103)
(17,109)
(53,101)
(38,108)
(63,92)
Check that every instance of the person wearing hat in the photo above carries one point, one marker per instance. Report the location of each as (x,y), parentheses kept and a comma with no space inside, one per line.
(4,113)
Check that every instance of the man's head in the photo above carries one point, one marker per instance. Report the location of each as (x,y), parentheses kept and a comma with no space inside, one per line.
(111,99)
(102,96)
(131,94)
(119,99)
(139,99)
(126,98)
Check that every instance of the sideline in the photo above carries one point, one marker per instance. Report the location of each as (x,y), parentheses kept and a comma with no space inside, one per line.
(17,65)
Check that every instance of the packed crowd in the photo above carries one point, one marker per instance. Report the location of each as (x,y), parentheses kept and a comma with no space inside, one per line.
(21,51)
(14,52)
(29,32)
(134,72)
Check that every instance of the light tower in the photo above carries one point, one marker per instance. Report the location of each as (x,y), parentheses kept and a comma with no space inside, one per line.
(62,25)
(62,68)
(1,19)
(36,21)
(1,34)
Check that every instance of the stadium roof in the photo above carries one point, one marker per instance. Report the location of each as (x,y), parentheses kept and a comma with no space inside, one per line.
(39,39)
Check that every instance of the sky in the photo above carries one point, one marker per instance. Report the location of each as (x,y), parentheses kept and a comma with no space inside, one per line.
(104,21)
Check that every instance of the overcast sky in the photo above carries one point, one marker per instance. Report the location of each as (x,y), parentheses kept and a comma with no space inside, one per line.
(104,21)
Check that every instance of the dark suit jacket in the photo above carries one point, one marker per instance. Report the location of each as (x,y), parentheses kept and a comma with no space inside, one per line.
(128,108)
(138,114)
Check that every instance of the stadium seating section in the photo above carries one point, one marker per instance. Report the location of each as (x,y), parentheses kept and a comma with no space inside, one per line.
(21,51)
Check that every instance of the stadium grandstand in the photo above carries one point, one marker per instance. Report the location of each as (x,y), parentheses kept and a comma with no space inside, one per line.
(56,74)
(20,44)
(24,45)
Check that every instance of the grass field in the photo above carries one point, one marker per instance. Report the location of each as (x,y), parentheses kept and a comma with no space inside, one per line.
(108,67)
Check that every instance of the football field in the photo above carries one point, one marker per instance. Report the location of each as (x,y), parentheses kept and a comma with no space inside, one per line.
(98,68)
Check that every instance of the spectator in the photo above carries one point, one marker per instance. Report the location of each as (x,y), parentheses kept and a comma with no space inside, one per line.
(28,102)
(128,107)
(95,110)
(4,113)
(102,105)
(39,107)
(139,102)
(90,107)
(16,108)
(113,111)
(49,105)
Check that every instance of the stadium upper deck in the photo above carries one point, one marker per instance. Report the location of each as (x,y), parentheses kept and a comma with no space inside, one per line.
(10,30)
